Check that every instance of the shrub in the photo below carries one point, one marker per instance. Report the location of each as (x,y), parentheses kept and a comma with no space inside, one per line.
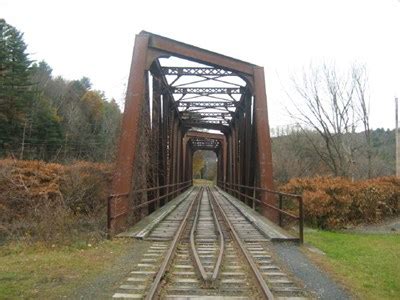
(333,202)
(52,202)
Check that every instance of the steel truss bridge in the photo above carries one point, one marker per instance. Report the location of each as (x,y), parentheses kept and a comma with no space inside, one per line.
(180,99)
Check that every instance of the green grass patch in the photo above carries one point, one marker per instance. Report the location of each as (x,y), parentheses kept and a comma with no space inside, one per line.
(37,271)
(369,264)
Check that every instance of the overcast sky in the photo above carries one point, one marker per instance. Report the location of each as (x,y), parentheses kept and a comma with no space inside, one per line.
(95,39)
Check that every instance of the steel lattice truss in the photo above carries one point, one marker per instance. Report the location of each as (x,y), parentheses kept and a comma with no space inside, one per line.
(205,97)
(196,71)
(199,143)
(206,91)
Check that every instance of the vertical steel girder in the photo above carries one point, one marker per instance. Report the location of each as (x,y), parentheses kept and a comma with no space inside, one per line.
(245,136)
(129,135)
(263,142)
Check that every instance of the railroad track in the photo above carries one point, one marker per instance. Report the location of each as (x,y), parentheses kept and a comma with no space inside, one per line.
(215,252)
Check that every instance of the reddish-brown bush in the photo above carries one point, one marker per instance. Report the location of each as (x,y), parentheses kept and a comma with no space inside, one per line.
(52,202)
(332,202)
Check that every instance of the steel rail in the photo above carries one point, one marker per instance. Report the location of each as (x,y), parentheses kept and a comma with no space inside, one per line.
(195,255)
(155,286)
(218,264)
(265,291)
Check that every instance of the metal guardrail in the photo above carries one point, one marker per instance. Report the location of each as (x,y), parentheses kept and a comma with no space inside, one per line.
(234,189)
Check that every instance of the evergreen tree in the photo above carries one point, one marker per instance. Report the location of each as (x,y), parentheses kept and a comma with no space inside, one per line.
(15,87)
(48,118)
(45,135)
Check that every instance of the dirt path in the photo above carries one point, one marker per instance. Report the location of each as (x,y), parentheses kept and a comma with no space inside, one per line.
(103,286)
(389,226)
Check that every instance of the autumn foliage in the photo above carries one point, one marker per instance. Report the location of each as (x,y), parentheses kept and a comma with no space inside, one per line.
(334,202)
(53,202)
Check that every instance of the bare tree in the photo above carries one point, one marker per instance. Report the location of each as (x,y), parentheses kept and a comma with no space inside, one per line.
(360,81)
(292,156)
(329,104)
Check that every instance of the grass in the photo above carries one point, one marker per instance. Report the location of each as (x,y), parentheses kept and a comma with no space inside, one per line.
(37,271)
(203,182)
(369,264)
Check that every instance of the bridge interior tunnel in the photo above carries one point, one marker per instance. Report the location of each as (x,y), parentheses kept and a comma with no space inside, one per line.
(181,99)
(206,156)
(205,166)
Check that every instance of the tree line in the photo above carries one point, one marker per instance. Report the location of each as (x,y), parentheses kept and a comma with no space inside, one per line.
(50,118)
(295,156)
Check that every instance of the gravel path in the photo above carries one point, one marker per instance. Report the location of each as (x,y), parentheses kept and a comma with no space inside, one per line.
(315,280)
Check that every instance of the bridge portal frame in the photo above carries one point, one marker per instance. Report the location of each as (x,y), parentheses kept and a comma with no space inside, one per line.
(147,49)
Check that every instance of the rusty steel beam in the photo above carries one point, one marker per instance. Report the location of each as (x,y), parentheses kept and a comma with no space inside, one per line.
(190,162)
(184,151)
(156,134)
(122,180)
(241,164)
(204,120)
(204,149)
(249,145)
(224,158)
(179,167)
(219,164)
(220,122)
(204,91)
(235,153)
(175,149)
(230,157)
(197,54)
(263,141)
(205,125)
(206,135)
(207,104)
(197,71)
(205,142)
(208,114)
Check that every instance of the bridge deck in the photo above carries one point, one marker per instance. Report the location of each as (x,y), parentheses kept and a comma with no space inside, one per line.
(204,243)
(270,230)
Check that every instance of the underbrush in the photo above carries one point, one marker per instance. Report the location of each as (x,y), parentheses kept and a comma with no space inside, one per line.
(53,203)
(334,203)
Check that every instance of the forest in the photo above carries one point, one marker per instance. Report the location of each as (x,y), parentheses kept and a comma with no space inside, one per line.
(46,117)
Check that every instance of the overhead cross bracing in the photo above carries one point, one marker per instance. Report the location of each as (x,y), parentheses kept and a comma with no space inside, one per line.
(205,144)
(196,71)
(206,97)
(201,140)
